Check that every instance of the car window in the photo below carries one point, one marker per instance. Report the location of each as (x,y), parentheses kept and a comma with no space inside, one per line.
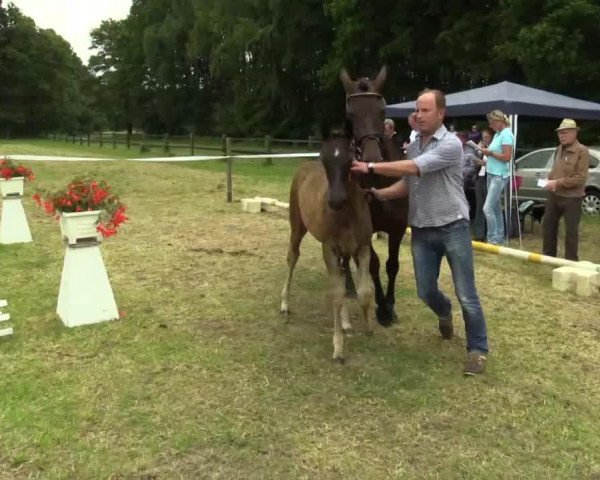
(594,161)
(537,159)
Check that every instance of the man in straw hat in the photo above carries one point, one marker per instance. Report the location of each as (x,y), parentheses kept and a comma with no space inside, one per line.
(566,188)
(439,217)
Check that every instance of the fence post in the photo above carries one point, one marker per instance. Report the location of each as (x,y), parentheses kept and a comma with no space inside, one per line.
(143,142)
(229,170)
(114,139)
(310,141)
(192,143)
(166,144)
(128,139)
(100,138)
(269,160)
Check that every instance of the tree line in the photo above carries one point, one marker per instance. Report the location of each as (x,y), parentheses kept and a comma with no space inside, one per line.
(256,67)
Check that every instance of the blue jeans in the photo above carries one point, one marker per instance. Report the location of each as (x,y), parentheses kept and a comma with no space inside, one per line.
(428,246)
(492,209)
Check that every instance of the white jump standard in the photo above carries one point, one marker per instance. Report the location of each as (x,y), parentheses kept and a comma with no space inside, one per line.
(85,295)
(13,222)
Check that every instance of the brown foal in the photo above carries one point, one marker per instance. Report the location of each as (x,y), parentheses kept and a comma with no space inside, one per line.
(328,202)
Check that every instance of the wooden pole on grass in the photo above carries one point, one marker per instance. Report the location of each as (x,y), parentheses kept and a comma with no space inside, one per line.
(229,170)
(269,160)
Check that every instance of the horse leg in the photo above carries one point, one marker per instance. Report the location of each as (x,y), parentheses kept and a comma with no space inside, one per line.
(296,236)
(365,287)
(350,287)
(392,266)
(350,293)
(383,317)
(336,300)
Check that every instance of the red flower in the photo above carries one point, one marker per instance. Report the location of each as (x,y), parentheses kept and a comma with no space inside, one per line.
(86,195)
(9,170)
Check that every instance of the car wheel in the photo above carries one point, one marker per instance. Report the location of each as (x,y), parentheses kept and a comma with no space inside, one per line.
(591,203)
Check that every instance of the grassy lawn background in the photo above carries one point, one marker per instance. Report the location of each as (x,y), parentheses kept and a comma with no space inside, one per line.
(202,378)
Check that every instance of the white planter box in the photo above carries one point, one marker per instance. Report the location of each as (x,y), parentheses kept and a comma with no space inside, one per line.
(79,227)
(12,187)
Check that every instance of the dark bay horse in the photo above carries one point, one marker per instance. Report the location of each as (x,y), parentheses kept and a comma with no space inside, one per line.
(365,111)
(327,201)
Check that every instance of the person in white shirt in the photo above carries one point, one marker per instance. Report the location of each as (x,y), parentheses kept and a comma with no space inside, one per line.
(412,121)
(478,223)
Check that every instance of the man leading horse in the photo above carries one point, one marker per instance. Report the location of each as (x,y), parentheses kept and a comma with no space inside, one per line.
(439,219)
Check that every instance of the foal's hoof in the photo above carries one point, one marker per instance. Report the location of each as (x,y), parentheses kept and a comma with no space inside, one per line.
(284,312)
(340,360)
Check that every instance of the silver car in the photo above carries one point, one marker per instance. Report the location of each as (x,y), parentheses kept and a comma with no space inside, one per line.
(537,164)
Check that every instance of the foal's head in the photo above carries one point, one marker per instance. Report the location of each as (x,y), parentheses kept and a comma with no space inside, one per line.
(337,159)
(365,110)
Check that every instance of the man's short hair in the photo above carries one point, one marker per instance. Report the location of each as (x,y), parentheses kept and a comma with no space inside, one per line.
(440,98)
(390,122)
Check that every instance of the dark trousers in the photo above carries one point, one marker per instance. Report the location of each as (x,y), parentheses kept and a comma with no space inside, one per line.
(478,222)
(570,209)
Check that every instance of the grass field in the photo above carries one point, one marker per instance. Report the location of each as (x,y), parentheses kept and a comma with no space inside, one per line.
(202,378)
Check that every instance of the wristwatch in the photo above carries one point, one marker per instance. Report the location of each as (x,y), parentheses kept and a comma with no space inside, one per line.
(371,167)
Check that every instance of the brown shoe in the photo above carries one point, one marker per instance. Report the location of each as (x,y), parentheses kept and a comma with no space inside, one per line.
(475,364)
(446,328)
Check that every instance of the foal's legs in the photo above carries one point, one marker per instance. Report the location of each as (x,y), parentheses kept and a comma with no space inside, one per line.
(365,288)
(336,300)
(296,236)
(350,287)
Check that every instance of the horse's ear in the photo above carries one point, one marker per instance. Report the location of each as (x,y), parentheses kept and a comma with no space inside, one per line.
(380,79)
(348,128)
(346,81)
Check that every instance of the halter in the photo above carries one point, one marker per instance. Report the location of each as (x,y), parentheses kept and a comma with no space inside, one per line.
(378,137)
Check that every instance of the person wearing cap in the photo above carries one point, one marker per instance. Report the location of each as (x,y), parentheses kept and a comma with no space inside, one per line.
(499,155)
(565,190)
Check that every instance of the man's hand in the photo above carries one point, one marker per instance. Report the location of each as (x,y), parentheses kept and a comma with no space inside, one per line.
(359,167)
(551,185)
(376,193)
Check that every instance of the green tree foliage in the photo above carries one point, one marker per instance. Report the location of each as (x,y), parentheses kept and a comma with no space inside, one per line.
(41,80)
(254,67)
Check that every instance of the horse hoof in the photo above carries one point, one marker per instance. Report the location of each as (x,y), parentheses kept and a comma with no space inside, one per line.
(384,317)
(348,331)
(284,312)
(341,360)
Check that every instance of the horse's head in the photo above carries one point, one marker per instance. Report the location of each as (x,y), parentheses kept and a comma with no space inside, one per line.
(337,159)
(365,111)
